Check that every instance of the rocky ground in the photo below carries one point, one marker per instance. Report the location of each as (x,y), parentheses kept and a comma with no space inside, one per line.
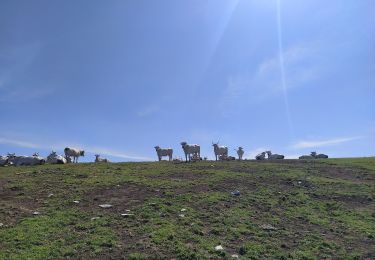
(238,209)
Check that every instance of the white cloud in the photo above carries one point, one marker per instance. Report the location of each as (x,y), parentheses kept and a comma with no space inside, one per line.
(24,94)
(301,66)
(320,143)
(147,111)
(60,146)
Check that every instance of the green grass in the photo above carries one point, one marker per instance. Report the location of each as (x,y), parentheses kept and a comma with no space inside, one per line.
(318,210)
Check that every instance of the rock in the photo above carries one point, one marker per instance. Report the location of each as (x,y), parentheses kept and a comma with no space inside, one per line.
(1,224)
(36,213)
(50,195)
(219,248)
(94,218)
(181,215)
(236,193)
(76,201)
(182,210)
(126,215)
(268,227)
(105,206)
(234,256)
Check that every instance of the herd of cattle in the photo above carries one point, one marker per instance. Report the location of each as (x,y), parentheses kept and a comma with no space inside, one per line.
(71,155)
(191,151)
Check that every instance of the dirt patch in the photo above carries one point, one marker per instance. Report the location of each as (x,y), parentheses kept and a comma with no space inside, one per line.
(17,203)
(181,176)
(122,197)
(354,175)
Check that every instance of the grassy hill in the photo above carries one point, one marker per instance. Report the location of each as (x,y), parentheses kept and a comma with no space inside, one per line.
(287,209)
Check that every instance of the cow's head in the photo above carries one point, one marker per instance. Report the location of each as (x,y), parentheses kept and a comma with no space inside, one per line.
(183,144)
(157,147)
(82,153)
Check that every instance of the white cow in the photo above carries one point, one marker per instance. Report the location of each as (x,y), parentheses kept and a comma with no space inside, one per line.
(191,149)
(164,152)
(261,156)
(3,160)
(54,158)
(240,153)
(319,156)
(75,153)
(25,160)
(98,159)
(306,157)
(274,156)
(220,151)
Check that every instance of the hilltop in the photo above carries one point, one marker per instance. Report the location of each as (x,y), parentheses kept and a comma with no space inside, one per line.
(286,209)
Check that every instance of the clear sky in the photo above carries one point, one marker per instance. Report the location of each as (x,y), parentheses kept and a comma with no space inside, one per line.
(119,77)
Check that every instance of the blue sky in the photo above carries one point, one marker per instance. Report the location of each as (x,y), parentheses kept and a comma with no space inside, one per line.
(119,77)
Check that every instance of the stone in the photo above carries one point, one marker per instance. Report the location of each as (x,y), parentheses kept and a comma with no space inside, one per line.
(126,215)
(94,218)
(268,227)
(36,213)
(1,224)
(76,201)
(219,248)
(182,210)
(50,195)
(234,256)
(181,215)
(105,206)
(236,193)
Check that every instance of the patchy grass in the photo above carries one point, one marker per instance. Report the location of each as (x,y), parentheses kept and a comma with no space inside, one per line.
(287,209)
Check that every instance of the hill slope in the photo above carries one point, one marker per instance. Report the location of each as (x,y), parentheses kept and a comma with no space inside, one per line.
(286,209)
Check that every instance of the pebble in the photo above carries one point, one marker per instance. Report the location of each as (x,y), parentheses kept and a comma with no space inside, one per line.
(1,224)
(219,248)
(235,193)
(76,201)
(127,215)
(94,218)
(182,210)
(50,195)
(36,213)
(234,256)
(105,206)
(268,227)
(181,215)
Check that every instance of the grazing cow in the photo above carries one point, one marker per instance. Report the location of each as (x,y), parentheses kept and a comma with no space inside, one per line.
(274,156)
(261,156)
(191,149)
(25,160)
(220,151)
(240,153)
(54,158)
(75,153)
(164,152)
(98,159)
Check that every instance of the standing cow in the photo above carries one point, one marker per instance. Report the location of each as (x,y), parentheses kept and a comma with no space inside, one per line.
(75,153)
(164,152)
(191,149)
(220,151)
(240,153)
